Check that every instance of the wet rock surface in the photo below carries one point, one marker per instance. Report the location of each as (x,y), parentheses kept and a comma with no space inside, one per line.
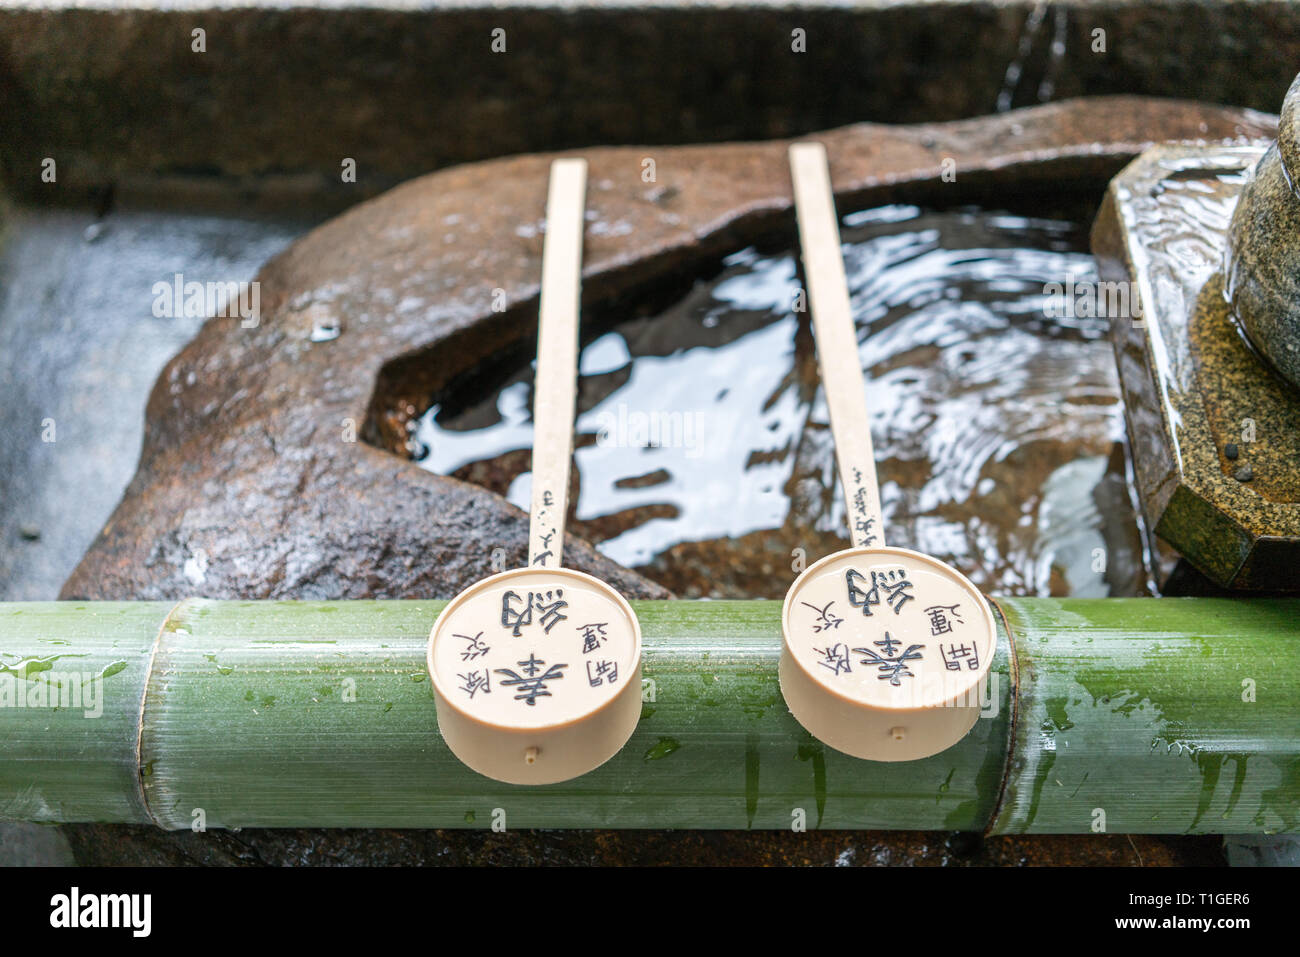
(1215,429)
(1262,255)
(274,458)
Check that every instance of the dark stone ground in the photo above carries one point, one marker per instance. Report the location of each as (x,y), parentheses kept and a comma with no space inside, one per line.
(79,344)
(140,845)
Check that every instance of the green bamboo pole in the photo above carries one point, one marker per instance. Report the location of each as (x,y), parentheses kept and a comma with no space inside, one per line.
(1168,715)
(318,714)
(56,763)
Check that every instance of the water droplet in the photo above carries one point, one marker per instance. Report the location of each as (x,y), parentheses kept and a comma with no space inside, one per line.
(326,330)
(112,669)
(662,748)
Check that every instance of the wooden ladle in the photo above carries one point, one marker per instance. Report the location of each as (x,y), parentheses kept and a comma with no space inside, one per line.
(536,671)
(884,648)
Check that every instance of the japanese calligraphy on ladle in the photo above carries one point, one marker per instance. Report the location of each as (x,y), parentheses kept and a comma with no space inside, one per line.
(534,648)
(889,627)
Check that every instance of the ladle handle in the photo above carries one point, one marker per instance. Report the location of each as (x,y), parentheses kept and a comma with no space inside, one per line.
(555,388)
(837,341)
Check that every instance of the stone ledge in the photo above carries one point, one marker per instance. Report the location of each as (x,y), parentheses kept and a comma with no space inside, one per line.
(1200,405)
(284,93)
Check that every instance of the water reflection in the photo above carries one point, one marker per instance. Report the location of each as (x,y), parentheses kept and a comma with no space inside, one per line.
(704,455)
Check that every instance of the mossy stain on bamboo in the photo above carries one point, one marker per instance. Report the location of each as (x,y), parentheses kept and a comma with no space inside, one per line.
(756,706)
(974,813)
(1135,688)
(945,786)
(1238,784)
(112,668)
(662,748)
(1057,719)
(814,751)
(1184,734)
(221,669)
(1281,800)
(1036,788)
(1210,765)
(752,767)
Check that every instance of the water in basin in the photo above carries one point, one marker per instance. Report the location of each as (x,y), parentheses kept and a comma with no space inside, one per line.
(703,451)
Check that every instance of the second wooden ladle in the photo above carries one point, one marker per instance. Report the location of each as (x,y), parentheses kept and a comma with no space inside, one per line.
(884,648)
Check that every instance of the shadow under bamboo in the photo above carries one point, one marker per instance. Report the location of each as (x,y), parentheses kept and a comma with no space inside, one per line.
(1128,715)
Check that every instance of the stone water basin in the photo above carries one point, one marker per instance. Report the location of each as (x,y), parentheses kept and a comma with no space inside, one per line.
(285,458)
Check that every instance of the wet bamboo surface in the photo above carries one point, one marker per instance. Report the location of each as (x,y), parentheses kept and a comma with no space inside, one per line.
(1124,715)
